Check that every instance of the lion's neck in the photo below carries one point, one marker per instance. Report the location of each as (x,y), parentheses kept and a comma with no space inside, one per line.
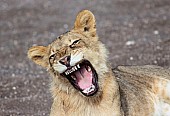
(108,100)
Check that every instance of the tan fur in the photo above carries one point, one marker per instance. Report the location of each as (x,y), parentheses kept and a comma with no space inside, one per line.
(131,90)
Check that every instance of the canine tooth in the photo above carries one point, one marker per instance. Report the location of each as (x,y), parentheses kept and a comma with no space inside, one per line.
(78,66)
(75,68)
(90,89)
(88,68)
(73,77)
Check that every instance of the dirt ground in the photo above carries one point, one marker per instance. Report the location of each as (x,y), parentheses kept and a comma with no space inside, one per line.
(136,32)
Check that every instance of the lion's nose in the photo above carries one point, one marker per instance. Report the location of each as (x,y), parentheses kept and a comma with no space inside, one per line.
(65,61)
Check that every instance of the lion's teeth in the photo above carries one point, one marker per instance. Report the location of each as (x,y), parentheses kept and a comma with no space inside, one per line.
(88,68)
(66,72)
(90,89)
(78,66)
(75,68)
(73,77)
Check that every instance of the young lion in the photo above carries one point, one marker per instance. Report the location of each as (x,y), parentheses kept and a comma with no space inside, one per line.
(83,83)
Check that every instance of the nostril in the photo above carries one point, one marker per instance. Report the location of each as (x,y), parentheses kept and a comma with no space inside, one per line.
(68,58)
(65,61)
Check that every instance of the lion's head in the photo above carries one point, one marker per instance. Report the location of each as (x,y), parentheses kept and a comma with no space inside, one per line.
(75,59)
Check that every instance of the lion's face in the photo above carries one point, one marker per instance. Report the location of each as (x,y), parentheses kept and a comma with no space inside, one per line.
(72,57)
(75,56)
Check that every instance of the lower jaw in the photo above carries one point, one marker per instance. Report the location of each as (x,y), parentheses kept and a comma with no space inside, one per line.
(91,94)
(87,94)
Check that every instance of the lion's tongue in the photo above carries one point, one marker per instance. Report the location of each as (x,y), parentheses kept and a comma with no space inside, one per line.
(84,77)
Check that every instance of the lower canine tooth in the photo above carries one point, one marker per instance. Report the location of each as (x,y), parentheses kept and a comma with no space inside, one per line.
(73,77)
(90,89)
(88,68)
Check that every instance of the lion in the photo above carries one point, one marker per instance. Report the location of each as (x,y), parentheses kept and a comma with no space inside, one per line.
(83,82)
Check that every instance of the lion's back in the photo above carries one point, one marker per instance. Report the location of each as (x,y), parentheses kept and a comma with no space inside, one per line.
(144,90)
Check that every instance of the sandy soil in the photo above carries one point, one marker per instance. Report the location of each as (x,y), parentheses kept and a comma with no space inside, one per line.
(136,32)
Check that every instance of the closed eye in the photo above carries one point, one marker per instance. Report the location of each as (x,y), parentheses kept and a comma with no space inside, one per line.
(51,59)
(74,43)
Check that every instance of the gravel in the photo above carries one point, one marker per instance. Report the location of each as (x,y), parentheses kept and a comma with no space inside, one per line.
(136,32)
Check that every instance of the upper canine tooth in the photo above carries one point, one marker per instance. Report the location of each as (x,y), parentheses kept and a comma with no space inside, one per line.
(75,68)
(78,66)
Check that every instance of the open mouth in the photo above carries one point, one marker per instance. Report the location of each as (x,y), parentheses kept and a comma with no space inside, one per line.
(83,77)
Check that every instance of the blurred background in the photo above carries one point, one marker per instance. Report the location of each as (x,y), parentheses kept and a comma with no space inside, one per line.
(136,32)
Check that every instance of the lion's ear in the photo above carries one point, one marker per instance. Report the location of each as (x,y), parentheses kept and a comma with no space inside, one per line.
(85,22)
(38,54)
